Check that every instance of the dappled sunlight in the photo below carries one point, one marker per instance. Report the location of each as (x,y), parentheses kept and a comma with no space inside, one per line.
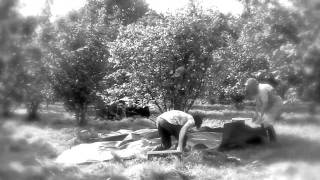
(297,149)
(297,170)
(301,119)
(129,123)
(34,134)
(224,114)
(203,172)
(20,111)
(306,131)
(287,148)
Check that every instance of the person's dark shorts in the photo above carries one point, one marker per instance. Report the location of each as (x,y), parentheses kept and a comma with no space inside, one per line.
(166,130)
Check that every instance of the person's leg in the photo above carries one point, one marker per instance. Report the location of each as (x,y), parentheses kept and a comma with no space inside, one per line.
(271,133)
(279,110)
(164,134)
(270,118)
(275,111)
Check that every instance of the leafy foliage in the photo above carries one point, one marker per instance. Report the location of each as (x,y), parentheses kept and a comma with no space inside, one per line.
(308,51)
(78,63)
(21,66)
(167,58)
(78,52)
(265,47)
(112,49)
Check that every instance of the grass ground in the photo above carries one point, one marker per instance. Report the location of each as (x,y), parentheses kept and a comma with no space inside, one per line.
(28,150)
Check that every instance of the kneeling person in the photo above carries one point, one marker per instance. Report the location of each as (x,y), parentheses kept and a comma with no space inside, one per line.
(176,123)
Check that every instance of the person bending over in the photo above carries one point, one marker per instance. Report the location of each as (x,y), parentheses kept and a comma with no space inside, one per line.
(176,123)
(268,105)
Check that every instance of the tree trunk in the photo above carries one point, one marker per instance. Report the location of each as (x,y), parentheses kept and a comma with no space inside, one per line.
(33,111)
(312,108)
(6,109)
(312,111)
(82,121)
(47,103)
(177,104)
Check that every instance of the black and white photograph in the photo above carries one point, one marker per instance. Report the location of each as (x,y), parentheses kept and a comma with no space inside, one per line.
(159,89)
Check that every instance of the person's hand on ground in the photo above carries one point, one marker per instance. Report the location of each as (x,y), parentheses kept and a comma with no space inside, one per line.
(179,149)
(259,120)
(157,148)
(255,118)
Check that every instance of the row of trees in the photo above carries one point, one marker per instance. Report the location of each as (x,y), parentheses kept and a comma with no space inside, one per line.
(110,49)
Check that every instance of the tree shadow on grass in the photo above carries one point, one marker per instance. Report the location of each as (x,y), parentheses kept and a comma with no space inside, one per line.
(291,147)
(56,117)
(62,119)
(287,148)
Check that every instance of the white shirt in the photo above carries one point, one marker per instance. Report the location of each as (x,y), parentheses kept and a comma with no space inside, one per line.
(176,117)
(267,96)
(263,93)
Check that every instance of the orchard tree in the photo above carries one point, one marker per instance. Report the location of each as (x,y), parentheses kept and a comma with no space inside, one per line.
(265,47)
(20,60)
(276,36)
(308,51)
(77,52)
(77,57)
(126,11)
(107,15)
(167,58)
(10,55)
(233,65)
(311,63)
(33,81)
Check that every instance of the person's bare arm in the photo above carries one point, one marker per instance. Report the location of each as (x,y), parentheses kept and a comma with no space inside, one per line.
(257,110)
(182,134)
(264,99)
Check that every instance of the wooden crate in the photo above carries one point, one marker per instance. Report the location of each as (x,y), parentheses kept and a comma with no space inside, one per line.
(165,153)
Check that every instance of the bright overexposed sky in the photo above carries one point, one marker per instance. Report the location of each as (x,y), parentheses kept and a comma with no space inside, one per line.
(58,8)
(225,6)
(62,7)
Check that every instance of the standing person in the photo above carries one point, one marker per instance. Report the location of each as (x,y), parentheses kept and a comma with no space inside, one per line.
(176,123)
(268,105)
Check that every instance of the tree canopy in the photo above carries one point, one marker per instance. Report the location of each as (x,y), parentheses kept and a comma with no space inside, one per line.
(111,49)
